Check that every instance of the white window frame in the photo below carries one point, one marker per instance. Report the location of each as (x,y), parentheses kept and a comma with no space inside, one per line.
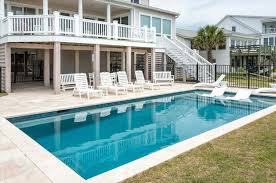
(156,16)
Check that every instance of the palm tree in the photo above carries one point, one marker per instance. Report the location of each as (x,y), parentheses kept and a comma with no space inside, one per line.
(208,38)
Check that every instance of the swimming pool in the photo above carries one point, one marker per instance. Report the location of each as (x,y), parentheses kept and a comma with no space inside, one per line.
(96,139)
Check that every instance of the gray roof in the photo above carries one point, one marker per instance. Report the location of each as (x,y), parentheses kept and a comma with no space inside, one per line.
(188,34)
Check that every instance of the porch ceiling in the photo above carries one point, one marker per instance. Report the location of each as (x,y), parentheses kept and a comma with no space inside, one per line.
(90,6)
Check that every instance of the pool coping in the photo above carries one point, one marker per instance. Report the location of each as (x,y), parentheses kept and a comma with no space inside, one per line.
(57,171)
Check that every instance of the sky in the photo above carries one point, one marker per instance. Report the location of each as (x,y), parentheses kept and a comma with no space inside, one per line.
(198,13)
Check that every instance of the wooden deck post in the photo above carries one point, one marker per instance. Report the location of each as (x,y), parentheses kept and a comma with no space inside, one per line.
(56,67)
(77,61)
(8,69)
(153,58)
(146,66)
(96,65)
(46,67)
(108,61)
(128,62)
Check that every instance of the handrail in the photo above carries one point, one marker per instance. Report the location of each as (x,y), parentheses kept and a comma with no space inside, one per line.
(57,24)
(198,55)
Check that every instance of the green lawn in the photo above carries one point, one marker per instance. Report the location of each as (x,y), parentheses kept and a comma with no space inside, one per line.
(2,94)
(244,155)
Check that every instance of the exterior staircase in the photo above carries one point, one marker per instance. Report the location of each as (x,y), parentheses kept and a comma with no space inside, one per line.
(193,64)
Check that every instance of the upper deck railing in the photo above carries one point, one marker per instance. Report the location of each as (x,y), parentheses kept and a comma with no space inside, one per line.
(269,30)
(56,24)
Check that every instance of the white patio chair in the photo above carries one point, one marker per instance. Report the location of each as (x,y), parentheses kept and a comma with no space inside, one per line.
(140,80)
(123,81)
(217,83)
(217,92)
(266,90)
(242,94)
(114,78)
(107,85)
(91,77)
(82,87)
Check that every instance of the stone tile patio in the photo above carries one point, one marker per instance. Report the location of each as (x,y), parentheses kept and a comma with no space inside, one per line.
(21,158)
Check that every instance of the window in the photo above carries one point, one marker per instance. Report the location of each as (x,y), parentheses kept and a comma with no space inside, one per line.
(124,20)
(64,14)
(156,22)
(135,1)
(233,43)
(271,41)
(17,10)
(266,41)
(167,27)
(145,21)
(117,19)
(234,28)
(29,11)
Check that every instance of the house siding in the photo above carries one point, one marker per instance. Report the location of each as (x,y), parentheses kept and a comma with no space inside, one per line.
(2,66)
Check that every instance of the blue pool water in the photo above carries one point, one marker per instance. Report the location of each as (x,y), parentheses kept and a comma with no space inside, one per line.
(96,139)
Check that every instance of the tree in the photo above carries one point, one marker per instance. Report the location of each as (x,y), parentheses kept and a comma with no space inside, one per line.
(208,38)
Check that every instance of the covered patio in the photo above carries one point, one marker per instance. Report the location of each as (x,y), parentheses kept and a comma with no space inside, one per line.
(67,58)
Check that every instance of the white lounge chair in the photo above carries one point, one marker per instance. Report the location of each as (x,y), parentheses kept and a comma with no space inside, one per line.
(217,83)
(67,81)
(217,92)
(140,80)
(82,87)
(107,85)
(123,81)
(241,95)
(266,90)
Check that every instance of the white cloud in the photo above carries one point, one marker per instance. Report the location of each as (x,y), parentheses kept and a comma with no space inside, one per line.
(197,13)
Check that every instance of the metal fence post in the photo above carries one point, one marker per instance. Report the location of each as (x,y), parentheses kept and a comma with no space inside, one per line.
(197,66)
(248,78)
(215,72)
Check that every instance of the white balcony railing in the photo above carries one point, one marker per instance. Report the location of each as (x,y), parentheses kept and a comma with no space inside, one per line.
(269,30)
(73,26)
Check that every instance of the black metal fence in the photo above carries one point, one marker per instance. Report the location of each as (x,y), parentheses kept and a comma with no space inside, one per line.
(260,76)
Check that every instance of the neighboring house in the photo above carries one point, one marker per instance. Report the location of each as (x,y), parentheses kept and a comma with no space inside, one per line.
(41,39)
(245,34)
(185,36)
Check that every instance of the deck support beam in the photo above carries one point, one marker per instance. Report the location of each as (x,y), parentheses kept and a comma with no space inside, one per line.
(108,61)
(77,61)
(96,64)
(46,68)
(2,8)
(80,9)
(146,65)
(153,58)
(123,64)
(8,69)
(128,62)
(56,67)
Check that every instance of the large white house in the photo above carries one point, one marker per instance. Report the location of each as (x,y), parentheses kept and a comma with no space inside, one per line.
(244,31)
(42,39)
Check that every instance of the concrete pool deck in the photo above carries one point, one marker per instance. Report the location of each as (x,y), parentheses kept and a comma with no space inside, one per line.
(23,160)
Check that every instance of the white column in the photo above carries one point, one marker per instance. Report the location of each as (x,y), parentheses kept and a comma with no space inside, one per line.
(108,13)
(134,61)
(77,61)
(8,69)
(80,7)
(153,58)
(2,8)
(46,67)
(45,7)
(146,66)
(108,61)
(165,62)
(96,65)
(123,64)
(132,17)
(56,67)
(128,62)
